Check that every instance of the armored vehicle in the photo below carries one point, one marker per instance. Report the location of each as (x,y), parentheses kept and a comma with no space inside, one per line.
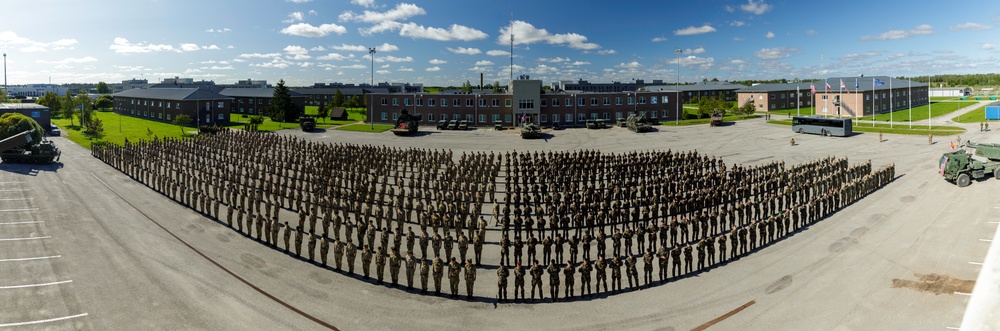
(591,124)
(962,165)
(717,118)
(463,125)
(530,131)
(601,123)
(406,124)
(453,125)
(621,122)
(497,125)
(442,125)
(308,123)
(22,148)
(637,123)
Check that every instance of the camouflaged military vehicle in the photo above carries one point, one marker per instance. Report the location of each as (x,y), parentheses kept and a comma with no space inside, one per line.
(637,123)
(406,124)
(530,131)
(307,123)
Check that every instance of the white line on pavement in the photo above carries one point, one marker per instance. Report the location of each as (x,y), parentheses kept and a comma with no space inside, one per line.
(28,238)
(25,222)
(986,240)
(34,285)
(15,190)
(976,263)
(17,199)
(963,293)
(21,209)
(11,182)
(42,321)
(31,258)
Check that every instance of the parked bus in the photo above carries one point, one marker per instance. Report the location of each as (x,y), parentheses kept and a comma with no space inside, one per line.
(826,126)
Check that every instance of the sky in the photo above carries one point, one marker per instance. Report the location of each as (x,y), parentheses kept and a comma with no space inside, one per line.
(445,42)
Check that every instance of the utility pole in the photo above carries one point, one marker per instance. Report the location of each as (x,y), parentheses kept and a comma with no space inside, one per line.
(371,103)
(677,120)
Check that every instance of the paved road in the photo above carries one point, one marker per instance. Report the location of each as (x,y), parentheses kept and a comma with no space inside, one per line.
(117,255)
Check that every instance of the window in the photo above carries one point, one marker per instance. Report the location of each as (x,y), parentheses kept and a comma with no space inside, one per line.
(506,102)
(593,116)
(618,101)
(555,102)
(782,95)
(508,118)
(444,102)
(607,116)
(544,102)
(430,102)
(593,101)
(221,105)
(168,116)
(823,97)
(642,100)
(652,114)
(178,106)
(261,101)
(161,104)
(482,118)
(383,101)
(544,118)
(395,116)
(430,117)
(168,104)
(468,117)
(385,116)
(395,102)
(456,117)
(468,103)
(221,117)
(607,101)
(420,102)
(773,96)
(496,102)
(555,117)
(482,102)
(581,117)
(569,102)
(652,99)
(630,100)
(456,102)
(406,101)
(525,104)
(496,117)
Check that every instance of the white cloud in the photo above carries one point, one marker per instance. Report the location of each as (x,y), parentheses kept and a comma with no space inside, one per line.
(123,46)
(729,8)
(308,30)
(497,52)
(737,39)
(218,68)
(259,56)
(737,61)
(699,50)
(385,47)
(11,38)
(294,17)
(297,53)
(189,47)
(558,59)
(694,30)
(580,63)
(318,49)
(859,57)
(405,69)
(71,60)
(971,26)
(996,19)
(364,3)
(755,7)
(212,47)
(218,30)
(455,32)
(811,32)
(335,57)
(607,52)
(354,66)
(987,47)
(433,69)
(383,72)
(391,58)
(276,63)
(703,62)
(659,39)
(466,51)
(776,53)
(401,12)
(437,61)
(923,29)
(737,23)
(769,35)
(484,63)
(630,65)
(525,34)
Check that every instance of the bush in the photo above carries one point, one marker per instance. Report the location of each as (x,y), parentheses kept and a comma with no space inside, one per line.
(14,123)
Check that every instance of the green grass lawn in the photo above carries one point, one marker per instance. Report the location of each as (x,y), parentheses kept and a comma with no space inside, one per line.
(937,108)
(730,117)
(897,129)
(354,115)
(366,128)
(974,116)
(133,128)
(236,121)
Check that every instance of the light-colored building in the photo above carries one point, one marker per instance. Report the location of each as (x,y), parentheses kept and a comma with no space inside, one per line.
(35,90)
(950,91)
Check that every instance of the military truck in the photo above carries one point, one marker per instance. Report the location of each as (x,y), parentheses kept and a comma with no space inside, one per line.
(621,122)
(637,123)
(442,125)
(530,130)
(22,148)
(307,123)
(453,125)
(406,124)
(463,125)
(717,118)
(962,165)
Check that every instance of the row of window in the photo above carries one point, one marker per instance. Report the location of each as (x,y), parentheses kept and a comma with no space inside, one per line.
(581,117)
(527,104)
(161,115)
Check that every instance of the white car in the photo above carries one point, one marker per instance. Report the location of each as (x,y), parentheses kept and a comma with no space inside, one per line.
(54,130)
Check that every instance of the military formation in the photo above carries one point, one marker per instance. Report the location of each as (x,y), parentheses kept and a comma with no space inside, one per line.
(420,211)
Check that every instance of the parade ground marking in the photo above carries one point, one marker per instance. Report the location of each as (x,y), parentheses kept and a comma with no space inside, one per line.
(21,209)
(17,199)
(34,285)
(31,258)
(724,316)
(27,238)
(42,321)
(23,222)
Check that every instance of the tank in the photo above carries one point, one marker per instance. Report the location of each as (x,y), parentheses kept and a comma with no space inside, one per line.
(717,118)
(637,123)
(530,131)
(21,148)
(307,123)
(406,124)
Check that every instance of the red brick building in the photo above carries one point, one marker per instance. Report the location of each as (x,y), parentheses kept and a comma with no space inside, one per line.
(164,104)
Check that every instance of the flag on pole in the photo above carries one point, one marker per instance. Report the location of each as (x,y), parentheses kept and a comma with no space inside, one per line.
(878,82)
(856,86)
(842,86)
(523,116)
(812,88)
(827,86)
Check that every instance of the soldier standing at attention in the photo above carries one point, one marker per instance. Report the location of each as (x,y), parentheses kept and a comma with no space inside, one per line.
(287,236)
(558,242)
(423,244)
(410,239)
(546,248)
(504,249)
(411,266)
(662,259)
(366,260)
(532,243)
(518,249)
(602,277)
(352,253)
(585,269)
(463,245)
(477,247)
(470,278)
(616,274)
(574,248)
(553,281)
(449,244)
(536,280)
(454,271)
(688,258)
(394,263)
(438,274)
(518,282)
(628,241)
(630,271)
(312,246)
(616,243)
(436,242)
(647,267)
(601,244)
(324,249)
(298,241)
(379,264)
(569,272)
(502,275)
(424,275)
(675,255)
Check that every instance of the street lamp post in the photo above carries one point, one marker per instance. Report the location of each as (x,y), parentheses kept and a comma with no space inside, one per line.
(371,103)
(677,119)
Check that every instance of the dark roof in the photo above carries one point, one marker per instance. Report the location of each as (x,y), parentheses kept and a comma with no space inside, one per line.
(338,112)
(343,90)
(262,92)
(189,93)
(710,86)
(210,87)
(866,83)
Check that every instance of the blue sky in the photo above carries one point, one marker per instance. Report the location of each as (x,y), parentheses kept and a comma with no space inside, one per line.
(449,42)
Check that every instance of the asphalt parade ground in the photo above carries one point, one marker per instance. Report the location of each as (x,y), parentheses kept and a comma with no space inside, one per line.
(84,247)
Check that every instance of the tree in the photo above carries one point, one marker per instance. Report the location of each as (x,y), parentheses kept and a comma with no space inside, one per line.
(352,102)
(103,88)
(281,108)
(104,102)
(3,96)
(51,100)
(94,127)
(14,123)
(68,106)
(338,99)
(496,87)
(182,120)
(467,87)
(85,105)
(747,109)
(323,112)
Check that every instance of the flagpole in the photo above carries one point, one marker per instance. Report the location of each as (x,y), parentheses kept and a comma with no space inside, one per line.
(928,103)
(892,107)
(874,95)
(909,100)
(856,88)
(798,102)
(826,88)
